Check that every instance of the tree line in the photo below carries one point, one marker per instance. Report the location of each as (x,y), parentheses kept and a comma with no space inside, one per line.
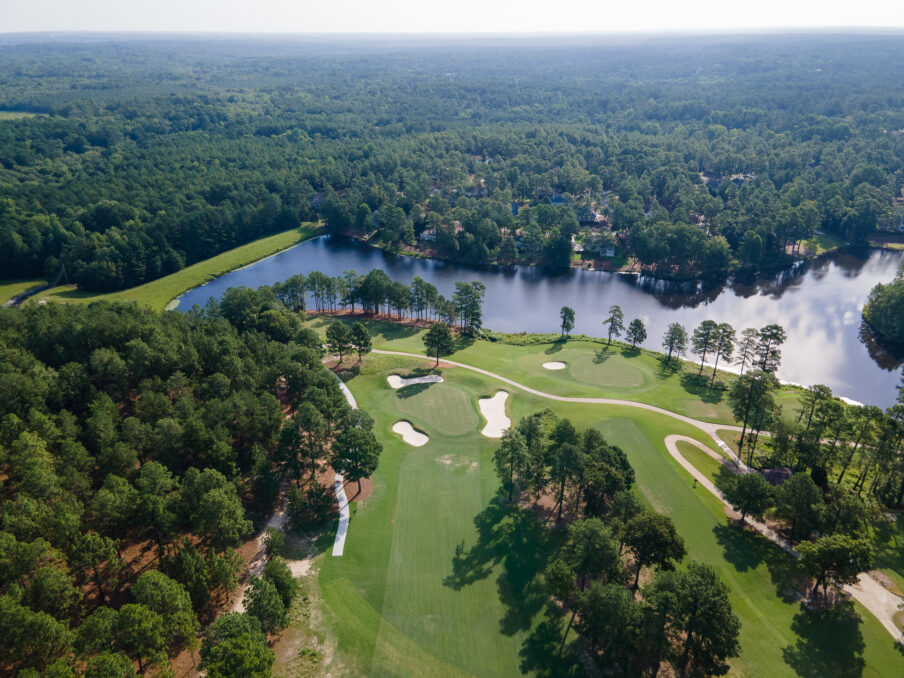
(376,293)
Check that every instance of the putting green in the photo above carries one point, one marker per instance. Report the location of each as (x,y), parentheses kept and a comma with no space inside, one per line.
(441,578)
(592,370)
(438,408)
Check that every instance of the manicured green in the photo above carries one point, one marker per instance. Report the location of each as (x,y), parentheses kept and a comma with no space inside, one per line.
(708,466)
(441,579)
(10,288)
(391,608)
(159,293)
(593,370)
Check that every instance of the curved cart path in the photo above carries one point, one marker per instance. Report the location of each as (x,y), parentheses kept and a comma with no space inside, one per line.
(344,511)
(868,592)
(705,426)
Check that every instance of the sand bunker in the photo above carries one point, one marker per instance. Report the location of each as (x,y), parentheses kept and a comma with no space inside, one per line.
(409,435)
(493,409)
(395,381)
(554,365)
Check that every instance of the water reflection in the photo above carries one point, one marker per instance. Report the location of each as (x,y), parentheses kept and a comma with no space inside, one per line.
(819,303)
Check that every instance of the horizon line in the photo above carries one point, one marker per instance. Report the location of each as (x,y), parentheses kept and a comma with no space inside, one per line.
(726,31)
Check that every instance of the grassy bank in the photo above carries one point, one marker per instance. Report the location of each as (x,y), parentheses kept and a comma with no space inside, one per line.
(159,293)
(12,288)
(441,578)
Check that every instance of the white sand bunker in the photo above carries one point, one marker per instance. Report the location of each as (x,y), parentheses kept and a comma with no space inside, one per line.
(395,381)
(554,365)
(409,435)
(493,409)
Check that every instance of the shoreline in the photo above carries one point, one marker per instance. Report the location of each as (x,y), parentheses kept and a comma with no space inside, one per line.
(737,276)
(173,303)
(413,323)
(700,284)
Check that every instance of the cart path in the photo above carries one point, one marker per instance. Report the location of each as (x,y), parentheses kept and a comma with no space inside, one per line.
(705,426)
(882,603)
(339,483)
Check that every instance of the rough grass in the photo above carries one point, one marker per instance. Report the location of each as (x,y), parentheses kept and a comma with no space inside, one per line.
(441,578)
(12,288)
(888,549)
(159,293)
(15,115)
(821,243)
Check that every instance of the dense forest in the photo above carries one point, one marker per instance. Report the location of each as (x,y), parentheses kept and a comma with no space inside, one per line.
(130,159)
(136,451)
(885,313)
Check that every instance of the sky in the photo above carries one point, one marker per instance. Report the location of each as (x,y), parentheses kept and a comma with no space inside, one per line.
(436,16)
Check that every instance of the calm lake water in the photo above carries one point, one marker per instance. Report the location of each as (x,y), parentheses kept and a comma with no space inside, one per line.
(818,303)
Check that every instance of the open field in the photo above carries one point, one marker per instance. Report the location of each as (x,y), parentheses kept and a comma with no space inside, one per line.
(440,578)
(159,293)
(11,288)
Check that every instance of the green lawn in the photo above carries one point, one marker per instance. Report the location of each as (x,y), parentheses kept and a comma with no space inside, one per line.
(159,293)
(11,288)
(819,243)
(888,545)
(440,578)
(708,466)
(593,370)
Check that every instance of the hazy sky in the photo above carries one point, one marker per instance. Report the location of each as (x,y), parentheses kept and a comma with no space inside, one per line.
(347,16)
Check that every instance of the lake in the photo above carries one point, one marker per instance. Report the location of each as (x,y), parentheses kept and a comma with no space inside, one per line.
(817,302)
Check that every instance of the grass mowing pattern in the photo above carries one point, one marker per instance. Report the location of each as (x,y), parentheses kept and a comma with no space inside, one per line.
(159,293)
(441,579)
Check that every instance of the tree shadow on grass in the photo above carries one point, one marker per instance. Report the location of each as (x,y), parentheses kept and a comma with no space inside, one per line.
(348,372)
(747,550)
(629,352)
(556,346)
(698,385)
(463,341)
(668,368)
(601,356)
(517,540)
(389,330)
(411,391)
(540,651)
(829,645)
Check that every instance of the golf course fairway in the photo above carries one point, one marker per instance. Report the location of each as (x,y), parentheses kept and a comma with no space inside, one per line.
(441,577)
